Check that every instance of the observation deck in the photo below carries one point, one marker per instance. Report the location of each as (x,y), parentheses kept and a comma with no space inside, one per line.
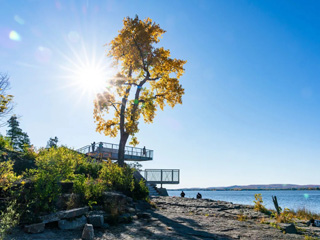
(161,176)
(110,151)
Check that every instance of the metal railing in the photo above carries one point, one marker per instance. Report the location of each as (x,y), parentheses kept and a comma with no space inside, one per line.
(111,150)
(161,176)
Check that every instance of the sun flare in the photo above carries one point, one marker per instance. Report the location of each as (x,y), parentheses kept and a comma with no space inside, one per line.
(91,78)
(86,72)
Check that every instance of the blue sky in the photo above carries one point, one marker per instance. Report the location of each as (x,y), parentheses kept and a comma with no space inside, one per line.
(250,112)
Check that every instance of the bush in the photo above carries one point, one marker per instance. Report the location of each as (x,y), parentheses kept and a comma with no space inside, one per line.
(5,143)
(305,214)
(90,179)
(7,176)
(116,177)
(286,216)
(8,219)
(140,190)
(54,165)
(258,204)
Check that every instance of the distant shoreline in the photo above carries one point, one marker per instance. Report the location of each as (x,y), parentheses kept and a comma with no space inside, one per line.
(220,190)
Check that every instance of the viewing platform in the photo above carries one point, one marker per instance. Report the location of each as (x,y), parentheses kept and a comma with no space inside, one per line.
(110,151)
(161,176)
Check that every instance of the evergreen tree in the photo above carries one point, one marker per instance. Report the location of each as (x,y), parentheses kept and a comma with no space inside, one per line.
(18,139)
(53,142)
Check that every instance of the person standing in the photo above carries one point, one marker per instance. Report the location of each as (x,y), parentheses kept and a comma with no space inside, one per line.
(93,145)
(144,151)
(100,146)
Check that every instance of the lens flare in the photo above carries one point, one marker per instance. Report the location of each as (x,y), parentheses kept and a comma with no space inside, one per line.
(306,196)
(19,20)
(13,35)
(43,54)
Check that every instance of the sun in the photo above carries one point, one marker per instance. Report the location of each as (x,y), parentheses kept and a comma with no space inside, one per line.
(91,78)
(86,74)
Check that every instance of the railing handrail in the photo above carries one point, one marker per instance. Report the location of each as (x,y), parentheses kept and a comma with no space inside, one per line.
(162,176)
(116,146)
(161,169)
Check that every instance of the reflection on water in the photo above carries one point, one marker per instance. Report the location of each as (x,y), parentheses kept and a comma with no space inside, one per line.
(286,199)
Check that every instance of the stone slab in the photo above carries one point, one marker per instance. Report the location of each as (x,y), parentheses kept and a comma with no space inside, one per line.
(74,224)
(76,212)
(34,228)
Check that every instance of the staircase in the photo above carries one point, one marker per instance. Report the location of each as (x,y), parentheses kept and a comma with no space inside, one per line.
(152,190)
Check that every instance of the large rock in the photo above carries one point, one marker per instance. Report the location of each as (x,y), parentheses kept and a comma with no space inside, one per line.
(96,220)
(88,232)
(74,224)
(64,214)
(288,227)
(115,203)
(34,228)
(69,201)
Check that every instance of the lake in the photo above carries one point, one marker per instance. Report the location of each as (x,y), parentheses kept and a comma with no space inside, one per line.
(286,199)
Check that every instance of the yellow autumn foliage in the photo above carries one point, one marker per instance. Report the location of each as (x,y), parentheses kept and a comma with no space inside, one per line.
(148,79)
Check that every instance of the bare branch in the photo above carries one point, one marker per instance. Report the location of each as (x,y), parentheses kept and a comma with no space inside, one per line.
(154,79)
(113,104)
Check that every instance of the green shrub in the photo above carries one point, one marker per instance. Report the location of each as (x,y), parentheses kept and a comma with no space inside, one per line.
(90,178)
(258,204)
(9,219)
(88,167)
(140,191)
(5,143)
(305,214)
(53,166)
(116,177)
(94,189)
(7,176)
(286,216)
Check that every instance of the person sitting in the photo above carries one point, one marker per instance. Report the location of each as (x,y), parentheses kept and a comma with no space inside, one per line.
(182,194)
(199,196)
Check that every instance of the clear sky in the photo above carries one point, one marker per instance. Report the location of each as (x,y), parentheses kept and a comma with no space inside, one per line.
(250,112)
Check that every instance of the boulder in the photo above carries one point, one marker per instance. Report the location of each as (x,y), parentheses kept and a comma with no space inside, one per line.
(64,214)
(74,224)
(34,228)
(96,220)
(288,227)
(69,201)
(88,232)
(115,203)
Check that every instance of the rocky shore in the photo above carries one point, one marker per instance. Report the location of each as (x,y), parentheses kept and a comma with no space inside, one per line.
(185,218)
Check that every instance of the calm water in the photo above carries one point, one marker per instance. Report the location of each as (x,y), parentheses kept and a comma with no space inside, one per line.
(286,199)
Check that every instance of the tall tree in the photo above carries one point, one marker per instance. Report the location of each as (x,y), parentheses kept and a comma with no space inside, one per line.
(19,139)
(53,142)
(148,79)
(6,104)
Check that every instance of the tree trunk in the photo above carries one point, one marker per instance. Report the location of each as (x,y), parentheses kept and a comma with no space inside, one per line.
(122,145)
